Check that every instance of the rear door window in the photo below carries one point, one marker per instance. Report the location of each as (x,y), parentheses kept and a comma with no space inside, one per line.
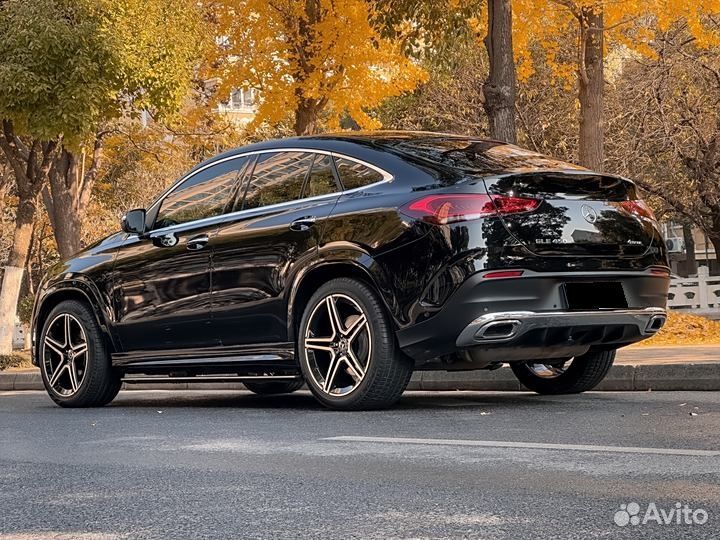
(322,178)
(278,177)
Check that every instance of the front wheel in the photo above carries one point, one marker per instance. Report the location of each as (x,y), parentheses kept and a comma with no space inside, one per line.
(74,361)
(564,376)
(347,348)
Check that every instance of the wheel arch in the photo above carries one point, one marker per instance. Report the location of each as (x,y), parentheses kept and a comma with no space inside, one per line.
(309,281)
(59,293)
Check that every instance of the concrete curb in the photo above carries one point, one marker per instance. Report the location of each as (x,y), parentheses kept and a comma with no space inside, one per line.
(675,376)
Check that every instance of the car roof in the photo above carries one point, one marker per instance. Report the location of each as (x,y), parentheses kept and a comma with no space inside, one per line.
(451,151)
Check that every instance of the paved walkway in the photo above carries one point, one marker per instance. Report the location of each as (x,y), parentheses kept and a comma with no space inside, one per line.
(668,355)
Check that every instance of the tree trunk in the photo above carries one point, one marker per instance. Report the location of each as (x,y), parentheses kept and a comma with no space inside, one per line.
(500,88)
(12,277)
(305,118)
(690,260)
(31,164)
(592,79)
(67,196)
(715,240)
(62,204)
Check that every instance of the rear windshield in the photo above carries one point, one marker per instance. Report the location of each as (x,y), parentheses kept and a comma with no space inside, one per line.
(581,186)
(479,157)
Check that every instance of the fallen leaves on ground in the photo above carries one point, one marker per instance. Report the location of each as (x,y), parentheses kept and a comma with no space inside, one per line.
(685,329)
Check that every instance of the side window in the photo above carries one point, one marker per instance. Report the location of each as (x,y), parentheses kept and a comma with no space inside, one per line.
(322,178)
(277,178)
(205,194)
(354,175)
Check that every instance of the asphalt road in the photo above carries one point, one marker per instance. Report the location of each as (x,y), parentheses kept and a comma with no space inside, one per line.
(443,465)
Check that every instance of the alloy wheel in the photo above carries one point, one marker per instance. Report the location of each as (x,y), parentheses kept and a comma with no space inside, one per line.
(338,345)
(65,354)
(549,370)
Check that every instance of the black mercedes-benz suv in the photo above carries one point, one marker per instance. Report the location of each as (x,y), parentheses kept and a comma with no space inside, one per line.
(348,261)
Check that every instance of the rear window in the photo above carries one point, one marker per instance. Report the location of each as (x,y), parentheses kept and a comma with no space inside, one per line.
(480,157)
(576,186)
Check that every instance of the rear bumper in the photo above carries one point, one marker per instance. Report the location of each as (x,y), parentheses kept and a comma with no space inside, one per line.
(509,326)
(528,317)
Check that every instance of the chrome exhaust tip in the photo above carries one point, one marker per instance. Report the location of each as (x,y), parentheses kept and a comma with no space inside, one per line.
(498,330)
(655,323)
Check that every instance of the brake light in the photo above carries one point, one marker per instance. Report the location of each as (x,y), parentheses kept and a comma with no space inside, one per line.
(450,208)
(638,208)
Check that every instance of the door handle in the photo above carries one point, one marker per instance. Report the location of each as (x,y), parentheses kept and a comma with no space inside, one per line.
(196,243)
(303,223)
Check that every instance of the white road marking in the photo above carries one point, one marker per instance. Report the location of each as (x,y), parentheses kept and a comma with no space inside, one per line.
(529,445)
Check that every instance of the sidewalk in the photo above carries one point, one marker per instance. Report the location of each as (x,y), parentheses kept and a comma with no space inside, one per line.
(636,368)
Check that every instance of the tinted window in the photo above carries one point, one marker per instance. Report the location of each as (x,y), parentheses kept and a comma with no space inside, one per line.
(322,179)
(277,178)
(205,194)
(354,175)
(484,157)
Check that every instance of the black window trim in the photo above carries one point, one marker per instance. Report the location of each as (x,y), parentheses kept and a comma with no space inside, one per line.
(154,207)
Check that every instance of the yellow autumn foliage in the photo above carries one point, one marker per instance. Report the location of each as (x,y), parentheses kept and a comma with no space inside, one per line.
(320,56)
(630,23)
(685,329)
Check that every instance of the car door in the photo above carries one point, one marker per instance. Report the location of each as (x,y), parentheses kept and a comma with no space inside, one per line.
(258,251)
(161,281)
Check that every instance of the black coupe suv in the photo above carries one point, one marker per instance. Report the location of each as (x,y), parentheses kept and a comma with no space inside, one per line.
(348,261)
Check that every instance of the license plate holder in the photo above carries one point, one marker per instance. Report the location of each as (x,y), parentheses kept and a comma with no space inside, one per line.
(590,295)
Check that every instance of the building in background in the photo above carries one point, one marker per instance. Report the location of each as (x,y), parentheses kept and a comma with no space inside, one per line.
(241,107)
(678,239)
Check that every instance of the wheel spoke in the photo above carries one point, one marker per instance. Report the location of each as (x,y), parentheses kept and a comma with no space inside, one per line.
(335,323)
(355,364)
(74,384)
(80,349)
(317,343)
(68,339)
(54,345)
(58,371)
(331,373)
(355,328)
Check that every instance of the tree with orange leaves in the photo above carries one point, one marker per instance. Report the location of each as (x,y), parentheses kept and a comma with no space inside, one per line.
(309,59)
(597,26)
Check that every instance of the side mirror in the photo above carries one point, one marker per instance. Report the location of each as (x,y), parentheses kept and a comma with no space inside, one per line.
(134,222)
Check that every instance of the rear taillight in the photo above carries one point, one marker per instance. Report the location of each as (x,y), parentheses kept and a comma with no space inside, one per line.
(638,208)
(450,208)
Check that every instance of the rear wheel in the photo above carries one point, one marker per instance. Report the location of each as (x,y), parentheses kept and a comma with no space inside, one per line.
(347,349)
(273,387)
(74,362)
(565,376)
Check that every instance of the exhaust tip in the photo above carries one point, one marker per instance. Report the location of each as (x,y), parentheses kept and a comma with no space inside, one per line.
(498,330)
(655,323)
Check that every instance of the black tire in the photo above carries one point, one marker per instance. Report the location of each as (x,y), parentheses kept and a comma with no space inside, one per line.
(274,387)
(100,383)
(387,371)
(584,373)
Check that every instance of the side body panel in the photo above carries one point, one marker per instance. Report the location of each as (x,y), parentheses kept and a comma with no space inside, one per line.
(161,291)
(255,261)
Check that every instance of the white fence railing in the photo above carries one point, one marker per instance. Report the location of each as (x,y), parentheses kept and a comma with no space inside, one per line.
(701,292)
